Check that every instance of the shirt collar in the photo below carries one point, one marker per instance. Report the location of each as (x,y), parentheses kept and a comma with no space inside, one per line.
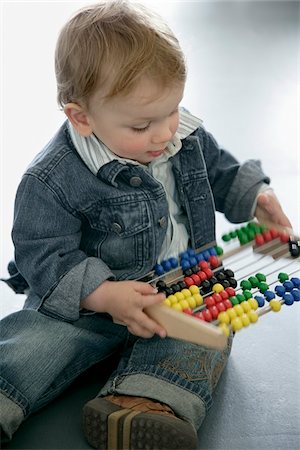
(95,153)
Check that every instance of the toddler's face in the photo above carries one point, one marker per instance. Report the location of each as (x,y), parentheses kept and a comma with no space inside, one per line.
(140,125)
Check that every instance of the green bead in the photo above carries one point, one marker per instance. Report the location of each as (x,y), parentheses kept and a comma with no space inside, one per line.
(243,238)
(226,237)
(234,301)
(250,234)
(219,250)
(247,294)
(261,277)
(263,287)
(282,277)
(245,284)
(254,281)
(233,234)
(241,298)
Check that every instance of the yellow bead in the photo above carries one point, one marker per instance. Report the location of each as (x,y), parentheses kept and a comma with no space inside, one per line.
(253,316)
(275,305)
(172,299)
(194,289)
(184,304)
(237,324)
(223,317)
(186,292)
(225,329)
(245,319)
(177,306)
(246,306)
(238,309)
(231,313)
(199,299)
(253,303)
(167,302)
(218,287)
(192,302)
(179,296)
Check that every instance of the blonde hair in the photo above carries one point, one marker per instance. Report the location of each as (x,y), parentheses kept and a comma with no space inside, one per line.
(110,46)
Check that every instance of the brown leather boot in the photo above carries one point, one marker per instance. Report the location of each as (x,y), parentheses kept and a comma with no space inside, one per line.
(121,422)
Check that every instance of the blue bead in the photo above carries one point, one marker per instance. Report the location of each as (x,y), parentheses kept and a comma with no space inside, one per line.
(260,300)
(193,261)
(288,299)
(296,282)
(288,285)
(296,294)
(174,262)
(185,264)
(206,255)
(280,290)
(269,295)
(199,257)
(166,265)
(158,269)
(191,252)
(212,251)
(184,255)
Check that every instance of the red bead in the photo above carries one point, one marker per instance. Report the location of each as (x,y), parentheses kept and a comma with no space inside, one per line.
(267,236)
(214,262)
(214,312)
(274,233)
(209,301)
(207,315)
(202,275)
(203,265)
(217,297)
(230,291)
(221,307)
(227,303)
(196,279)
(259,239)
(224,295)
(199,315)
(284,237)
(188,311)
(188,281)
(209,273)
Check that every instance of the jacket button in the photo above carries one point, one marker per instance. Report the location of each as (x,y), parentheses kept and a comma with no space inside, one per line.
(135,181)
(163,222)
(116,227)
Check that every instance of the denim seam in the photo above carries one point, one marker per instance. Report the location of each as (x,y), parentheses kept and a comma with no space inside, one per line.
(14,395)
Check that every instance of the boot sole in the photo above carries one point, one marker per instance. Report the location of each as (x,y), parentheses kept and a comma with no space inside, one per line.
(109,427)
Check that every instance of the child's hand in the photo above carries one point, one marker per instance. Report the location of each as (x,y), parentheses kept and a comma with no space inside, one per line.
(268,210)
(125,301)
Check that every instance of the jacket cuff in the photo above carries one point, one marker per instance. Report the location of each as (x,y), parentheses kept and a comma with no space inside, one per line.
(64,301)
(244,190)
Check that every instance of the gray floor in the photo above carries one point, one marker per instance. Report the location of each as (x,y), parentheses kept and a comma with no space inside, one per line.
(243,62)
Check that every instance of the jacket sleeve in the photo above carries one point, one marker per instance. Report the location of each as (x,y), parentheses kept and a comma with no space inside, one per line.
(47,237)
(234,185)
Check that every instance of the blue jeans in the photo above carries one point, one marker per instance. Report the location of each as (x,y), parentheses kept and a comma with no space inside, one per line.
(41,356)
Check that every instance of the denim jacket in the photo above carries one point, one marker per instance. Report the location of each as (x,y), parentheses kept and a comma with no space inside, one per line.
(73,230)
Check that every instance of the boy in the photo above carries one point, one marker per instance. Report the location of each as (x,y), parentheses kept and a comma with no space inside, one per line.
(127,181)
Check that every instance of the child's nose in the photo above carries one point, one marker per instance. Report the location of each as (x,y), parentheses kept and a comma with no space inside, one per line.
(162,133)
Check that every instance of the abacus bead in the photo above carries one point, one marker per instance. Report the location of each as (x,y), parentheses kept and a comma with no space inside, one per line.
(225,284)
(199,299)
(199,315)
(209,273)
(172,299)
(284,237)
(296,294)
(205,286)
(202,275)
(210,301)
(184,304)
(223,317)
(275,305)
(263,287)
(219,250)
(186,292)
(245,319)
(231,313)
(193,261)
(218,287)
(188,281)
(203,265)
(217,297)
(184,255)
(246,306)
(261,276)
(185,264)
(214,261)
(174,262)
(247,294)
(166,265)
(214,312)
(213,280)
(229,273)
(226,237)
(179,296)
(253,303)
(196,279)
(243,238)
(296,282)
(259,239)
(225,329)
(253,316)
(233,300)
(230,291)
(206,255)
(241,298)
(227,303)
(167,302)
(282,276)
(192,302)
(212,251)
(267,236)
(221,307)
(221,276)
(168,291)
(288,299)
(207,315)
(254,281)
(175,288)
(260,300)
(224,295)
(245,284)
(182,284)
(274,233)
(288,285)
(177,307)
(280,290)
(158,269)
(238,309)
(188,311)
(237,324)
(269,295)
(232,282)
(194,289)
(161,284)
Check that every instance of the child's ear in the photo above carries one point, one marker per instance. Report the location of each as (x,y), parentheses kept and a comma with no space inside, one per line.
(78,118)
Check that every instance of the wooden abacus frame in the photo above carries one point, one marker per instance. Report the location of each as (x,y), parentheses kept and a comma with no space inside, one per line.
(183,326)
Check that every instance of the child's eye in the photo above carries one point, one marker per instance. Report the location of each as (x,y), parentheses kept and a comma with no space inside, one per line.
(141,130)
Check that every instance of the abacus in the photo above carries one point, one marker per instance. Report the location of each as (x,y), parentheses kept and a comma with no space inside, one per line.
(217,291)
